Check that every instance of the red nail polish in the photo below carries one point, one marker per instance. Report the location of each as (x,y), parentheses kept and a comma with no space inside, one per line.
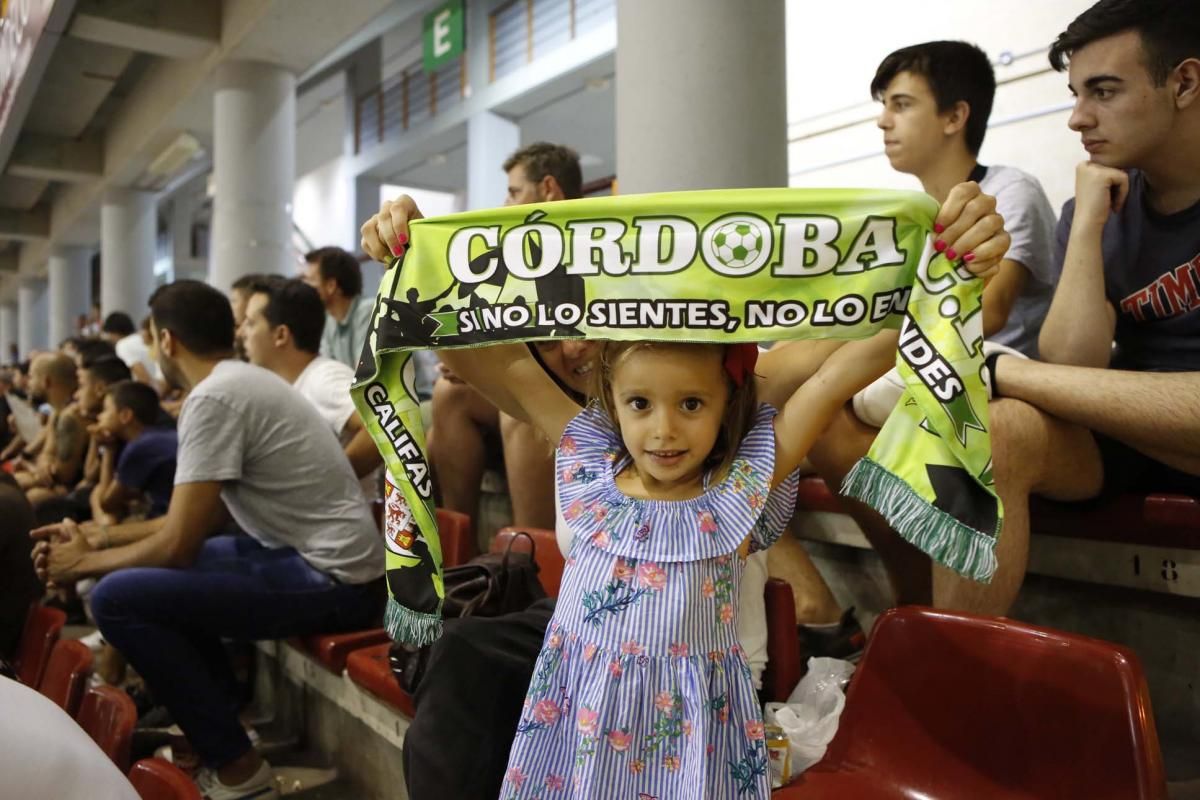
(939,245)
(938,227)
(397,250)
(402,239)
(969,257)
(950,254)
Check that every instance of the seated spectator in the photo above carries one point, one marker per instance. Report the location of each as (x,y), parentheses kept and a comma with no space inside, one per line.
(937,98)
(60,462)
(282,333)
(144,472)
(170,592)
(129,345)
(239,295)
(337,277)
(74,501)
(19,586)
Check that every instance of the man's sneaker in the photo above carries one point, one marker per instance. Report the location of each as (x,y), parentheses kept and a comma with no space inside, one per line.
(846,640)
(261,786)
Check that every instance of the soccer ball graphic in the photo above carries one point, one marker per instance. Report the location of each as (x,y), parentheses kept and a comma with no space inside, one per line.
(737,244)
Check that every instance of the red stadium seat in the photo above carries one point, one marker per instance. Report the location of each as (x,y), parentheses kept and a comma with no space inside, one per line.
(948,705)
(42,629)
(331,649)
(454,531)
(155,779)
(66,674)
(1163,520)
(785,662)
(108,715)
(369,668)
(547,556)
(813,494)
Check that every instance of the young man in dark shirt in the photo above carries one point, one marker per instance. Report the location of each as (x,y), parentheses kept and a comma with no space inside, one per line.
(1115,406)
(145,468)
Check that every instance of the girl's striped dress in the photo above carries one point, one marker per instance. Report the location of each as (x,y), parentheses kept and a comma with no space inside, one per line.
(641,690)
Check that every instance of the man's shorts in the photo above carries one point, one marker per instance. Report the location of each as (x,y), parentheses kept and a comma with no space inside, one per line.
(1129,470)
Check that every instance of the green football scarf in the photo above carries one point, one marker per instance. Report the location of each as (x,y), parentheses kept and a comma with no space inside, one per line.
(719,266)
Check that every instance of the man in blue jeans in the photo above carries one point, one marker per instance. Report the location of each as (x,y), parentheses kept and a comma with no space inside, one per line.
(312,562)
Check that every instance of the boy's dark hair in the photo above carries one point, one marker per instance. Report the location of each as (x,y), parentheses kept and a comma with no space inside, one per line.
(138,398)
(542,158)
(246,283)
(196,314)
(1169,29)
(92,350)
(954,71)
(118,322)
(342,267)
(109,370)
(297,305)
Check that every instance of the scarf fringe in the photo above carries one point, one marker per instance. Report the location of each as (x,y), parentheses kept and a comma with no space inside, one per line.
(931,530)
(413,627)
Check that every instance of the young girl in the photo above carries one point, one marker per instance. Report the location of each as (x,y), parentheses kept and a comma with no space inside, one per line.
(641,690)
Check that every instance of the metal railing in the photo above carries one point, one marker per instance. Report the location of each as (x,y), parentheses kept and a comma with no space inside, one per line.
(521,30)
(410,97)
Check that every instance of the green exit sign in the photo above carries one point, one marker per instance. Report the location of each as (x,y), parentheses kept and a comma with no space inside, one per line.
(443,35)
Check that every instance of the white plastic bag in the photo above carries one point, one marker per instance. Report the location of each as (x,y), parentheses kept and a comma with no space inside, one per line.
(810,716)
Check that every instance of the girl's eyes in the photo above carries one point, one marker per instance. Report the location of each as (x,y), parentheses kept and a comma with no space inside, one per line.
(692,404)
(638,403)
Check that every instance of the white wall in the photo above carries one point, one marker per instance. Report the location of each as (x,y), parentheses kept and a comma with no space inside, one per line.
(323,206)
(834,48)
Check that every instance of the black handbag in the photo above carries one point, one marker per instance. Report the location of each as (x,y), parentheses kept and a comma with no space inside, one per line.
(489,585)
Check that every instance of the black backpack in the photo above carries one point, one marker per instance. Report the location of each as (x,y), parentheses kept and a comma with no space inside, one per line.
(489,585)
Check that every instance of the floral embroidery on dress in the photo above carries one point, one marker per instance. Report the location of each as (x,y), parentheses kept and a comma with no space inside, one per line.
(748,771)
(720,589)
(616,596)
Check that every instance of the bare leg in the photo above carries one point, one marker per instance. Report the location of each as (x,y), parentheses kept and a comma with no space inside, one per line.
(844,443)
(461,417)
(1032,452)
(529,464)
(1157,413)
(788,560)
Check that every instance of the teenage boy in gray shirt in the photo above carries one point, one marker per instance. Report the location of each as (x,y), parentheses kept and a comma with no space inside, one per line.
(312,562)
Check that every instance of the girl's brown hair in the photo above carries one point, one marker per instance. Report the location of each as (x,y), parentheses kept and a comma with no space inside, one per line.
(740,408)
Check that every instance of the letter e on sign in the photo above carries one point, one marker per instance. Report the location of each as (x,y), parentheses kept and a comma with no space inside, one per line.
(442,37)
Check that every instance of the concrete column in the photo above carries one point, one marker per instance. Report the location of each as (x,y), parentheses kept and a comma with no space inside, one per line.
(31,316)
(254,165)
(701,95)
(181,215)
(490,139)
(128,231)
(69,290)
(8,331)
